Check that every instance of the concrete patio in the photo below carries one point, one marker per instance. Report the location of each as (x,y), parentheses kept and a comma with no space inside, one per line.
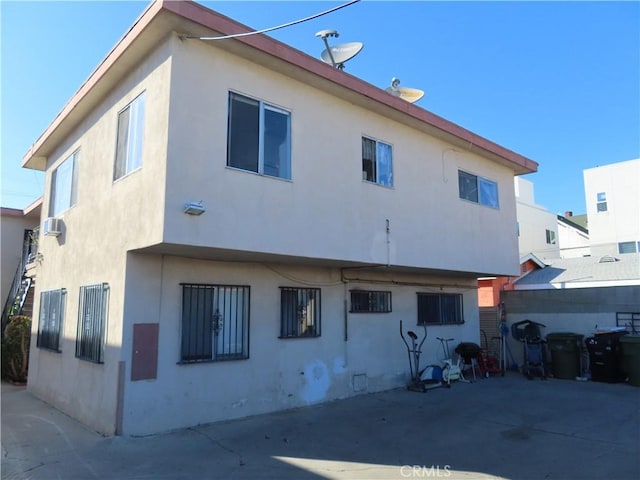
(502,427)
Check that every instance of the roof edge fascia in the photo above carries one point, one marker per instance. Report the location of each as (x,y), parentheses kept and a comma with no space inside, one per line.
(209,19)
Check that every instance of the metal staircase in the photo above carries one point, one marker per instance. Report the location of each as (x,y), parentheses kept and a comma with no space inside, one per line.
(20,298)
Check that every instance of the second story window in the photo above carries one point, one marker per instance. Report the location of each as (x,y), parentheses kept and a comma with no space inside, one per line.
(63,186)
(377,162)
(259,137)
(551,237)
(477,189)
(601,204)
(130,134)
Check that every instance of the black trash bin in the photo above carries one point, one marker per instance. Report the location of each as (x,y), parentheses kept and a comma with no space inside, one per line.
(631,358)
(565,351)
(605,357)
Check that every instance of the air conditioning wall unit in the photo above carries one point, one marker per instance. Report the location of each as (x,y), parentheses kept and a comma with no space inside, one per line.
(52,226)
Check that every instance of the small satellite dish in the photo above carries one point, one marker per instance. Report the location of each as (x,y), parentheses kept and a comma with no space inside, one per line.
(338,54)
(410,95)
(341,53)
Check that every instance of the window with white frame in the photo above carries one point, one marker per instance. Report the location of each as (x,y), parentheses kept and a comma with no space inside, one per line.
(130,136)
(92,320)
(377,162)
(439,308)
(50,319)
(368,301)
(478,189)
(628,247)
(215,323)
(601,202)
(64,181)
(551,237)
(300,311)
(259,137)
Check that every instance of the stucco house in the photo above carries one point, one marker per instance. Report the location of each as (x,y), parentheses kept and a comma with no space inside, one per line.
(235,227)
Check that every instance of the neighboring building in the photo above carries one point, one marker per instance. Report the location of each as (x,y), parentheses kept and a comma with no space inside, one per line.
(489,296)
(537,227)
(235,227)
(579,295)
(573,236)
(19,230)
(612,194)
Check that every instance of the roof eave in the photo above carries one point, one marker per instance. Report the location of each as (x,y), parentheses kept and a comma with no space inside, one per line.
(199,20)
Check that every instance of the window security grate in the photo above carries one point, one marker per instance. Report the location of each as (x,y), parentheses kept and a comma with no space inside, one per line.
(300,312)
(215,322)
(92,318)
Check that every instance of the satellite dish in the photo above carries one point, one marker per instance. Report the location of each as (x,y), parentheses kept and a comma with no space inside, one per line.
(341,53)
(338,54)
(410,95)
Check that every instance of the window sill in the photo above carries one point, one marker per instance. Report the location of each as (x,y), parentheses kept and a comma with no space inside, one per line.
(127,175)
(368,311)
(369,182)
(51,350)
(258,174)
(211,360)
(296,337)
(440,324)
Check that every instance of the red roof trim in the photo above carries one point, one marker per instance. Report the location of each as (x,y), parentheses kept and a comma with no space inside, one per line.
(226,26)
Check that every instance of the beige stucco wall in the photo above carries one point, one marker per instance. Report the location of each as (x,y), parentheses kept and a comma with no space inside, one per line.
(108,219)
(326,210)
(280,373)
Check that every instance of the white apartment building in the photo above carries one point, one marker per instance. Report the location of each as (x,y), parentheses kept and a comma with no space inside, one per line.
(612,194)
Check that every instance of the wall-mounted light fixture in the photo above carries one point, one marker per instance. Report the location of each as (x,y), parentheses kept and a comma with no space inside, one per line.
(194,208)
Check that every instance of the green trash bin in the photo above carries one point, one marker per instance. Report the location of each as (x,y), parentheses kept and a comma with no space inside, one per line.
(565,351)
(631,357)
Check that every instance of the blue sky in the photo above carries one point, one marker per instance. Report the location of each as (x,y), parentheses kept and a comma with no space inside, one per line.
(558,82)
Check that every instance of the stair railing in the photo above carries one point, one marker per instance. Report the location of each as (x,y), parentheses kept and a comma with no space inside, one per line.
(15,298)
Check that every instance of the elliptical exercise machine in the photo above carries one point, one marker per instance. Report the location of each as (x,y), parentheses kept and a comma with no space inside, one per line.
(417,383)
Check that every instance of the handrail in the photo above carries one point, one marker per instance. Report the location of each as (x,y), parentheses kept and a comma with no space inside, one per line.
(29,248)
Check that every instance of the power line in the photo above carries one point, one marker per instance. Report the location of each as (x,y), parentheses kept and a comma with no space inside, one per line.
(270,29)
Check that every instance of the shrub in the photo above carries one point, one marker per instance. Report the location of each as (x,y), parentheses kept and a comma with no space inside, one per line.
(15,349)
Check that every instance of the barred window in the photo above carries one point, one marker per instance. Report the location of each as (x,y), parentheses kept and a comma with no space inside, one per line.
(439,308)
(299,312)
(92,319)
(367,301)
(50,319)
(215,323)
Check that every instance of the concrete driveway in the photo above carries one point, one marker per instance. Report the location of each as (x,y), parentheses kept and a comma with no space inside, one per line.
(502,427)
